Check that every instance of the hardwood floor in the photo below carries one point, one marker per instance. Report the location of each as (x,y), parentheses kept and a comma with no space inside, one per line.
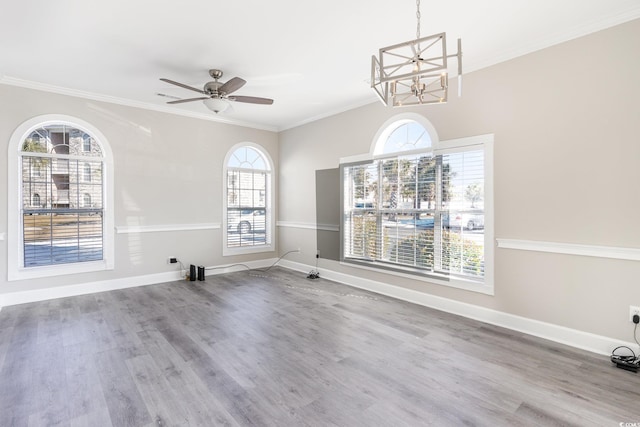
(274,348)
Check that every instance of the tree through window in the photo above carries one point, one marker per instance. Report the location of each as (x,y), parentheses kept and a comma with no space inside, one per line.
(416,207)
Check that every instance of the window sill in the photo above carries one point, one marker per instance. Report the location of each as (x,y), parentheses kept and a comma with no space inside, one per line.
(483,287)
(23,273)
(247,250)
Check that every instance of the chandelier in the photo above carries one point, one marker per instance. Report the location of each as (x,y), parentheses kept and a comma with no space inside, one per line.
(414,72)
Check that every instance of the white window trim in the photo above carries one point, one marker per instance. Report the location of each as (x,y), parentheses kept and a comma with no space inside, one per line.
(15,249)
(270,221)
(438,147)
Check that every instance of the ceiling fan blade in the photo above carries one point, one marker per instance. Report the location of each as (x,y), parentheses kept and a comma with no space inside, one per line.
(180,101)
(167,96)
(252,100)
(232,85)
(183,86)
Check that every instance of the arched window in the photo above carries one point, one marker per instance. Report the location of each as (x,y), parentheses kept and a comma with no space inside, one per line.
(247,217)
(407,136)
(65,228)
(418,205)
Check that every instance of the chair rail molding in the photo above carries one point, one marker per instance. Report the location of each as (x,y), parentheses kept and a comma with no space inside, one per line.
(629,254)
(309,225)
(127,229)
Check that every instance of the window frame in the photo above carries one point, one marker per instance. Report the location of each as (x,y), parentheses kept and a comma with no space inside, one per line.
(269,246)
(15,253)
(483,142)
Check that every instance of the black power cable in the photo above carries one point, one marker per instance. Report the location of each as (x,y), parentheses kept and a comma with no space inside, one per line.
(629,362)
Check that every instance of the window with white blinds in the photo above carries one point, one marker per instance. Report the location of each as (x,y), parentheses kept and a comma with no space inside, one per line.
(247,213)
(422,212)
(61,169)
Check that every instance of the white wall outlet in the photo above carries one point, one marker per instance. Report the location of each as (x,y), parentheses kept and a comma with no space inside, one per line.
(633,310)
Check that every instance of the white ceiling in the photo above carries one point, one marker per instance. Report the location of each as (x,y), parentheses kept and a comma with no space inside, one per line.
(312,58)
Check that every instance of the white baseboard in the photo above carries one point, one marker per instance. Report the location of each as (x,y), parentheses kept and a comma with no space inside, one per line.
(583,340)
(23,297)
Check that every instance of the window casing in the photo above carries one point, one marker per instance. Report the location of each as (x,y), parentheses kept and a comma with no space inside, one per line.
(247,215)
(421,207)
(60,234)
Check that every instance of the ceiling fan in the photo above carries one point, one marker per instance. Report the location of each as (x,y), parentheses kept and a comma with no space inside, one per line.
(217,94)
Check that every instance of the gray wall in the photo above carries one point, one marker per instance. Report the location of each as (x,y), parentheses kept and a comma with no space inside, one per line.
(168,170)
(328,214)
(567,149)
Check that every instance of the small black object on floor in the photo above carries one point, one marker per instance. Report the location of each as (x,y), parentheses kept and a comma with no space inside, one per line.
(628,363)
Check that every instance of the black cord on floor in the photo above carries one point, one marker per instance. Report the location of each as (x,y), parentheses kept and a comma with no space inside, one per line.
(629,362)
(262,270)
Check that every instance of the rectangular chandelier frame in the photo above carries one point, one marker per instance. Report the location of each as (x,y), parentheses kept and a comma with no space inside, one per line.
(414,72)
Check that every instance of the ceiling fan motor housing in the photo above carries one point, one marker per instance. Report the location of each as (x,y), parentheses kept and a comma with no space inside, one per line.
(211,88)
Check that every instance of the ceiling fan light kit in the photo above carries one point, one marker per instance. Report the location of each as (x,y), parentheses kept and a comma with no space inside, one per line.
(217,105)
(414,72)
(216,94)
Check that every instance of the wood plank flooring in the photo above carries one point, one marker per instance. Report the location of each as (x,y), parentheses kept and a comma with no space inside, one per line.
(277,349)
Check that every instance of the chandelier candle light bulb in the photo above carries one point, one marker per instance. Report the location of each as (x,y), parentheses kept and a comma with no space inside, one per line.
(414,72)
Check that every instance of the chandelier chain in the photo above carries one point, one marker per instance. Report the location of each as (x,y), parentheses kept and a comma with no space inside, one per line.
(418,19)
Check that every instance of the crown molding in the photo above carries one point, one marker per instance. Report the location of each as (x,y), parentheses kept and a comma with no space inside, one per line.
(28,84)
(559,37)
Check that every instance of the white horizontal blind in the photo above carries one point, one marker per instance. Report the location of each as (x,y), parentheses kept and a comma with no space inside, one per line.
(62,197)
(462,246)
(420,212)
(246,208)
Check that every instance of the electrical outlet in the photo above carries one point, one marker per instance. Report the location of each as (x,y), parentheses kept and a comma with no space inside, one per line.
(633,310)
(172,260)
